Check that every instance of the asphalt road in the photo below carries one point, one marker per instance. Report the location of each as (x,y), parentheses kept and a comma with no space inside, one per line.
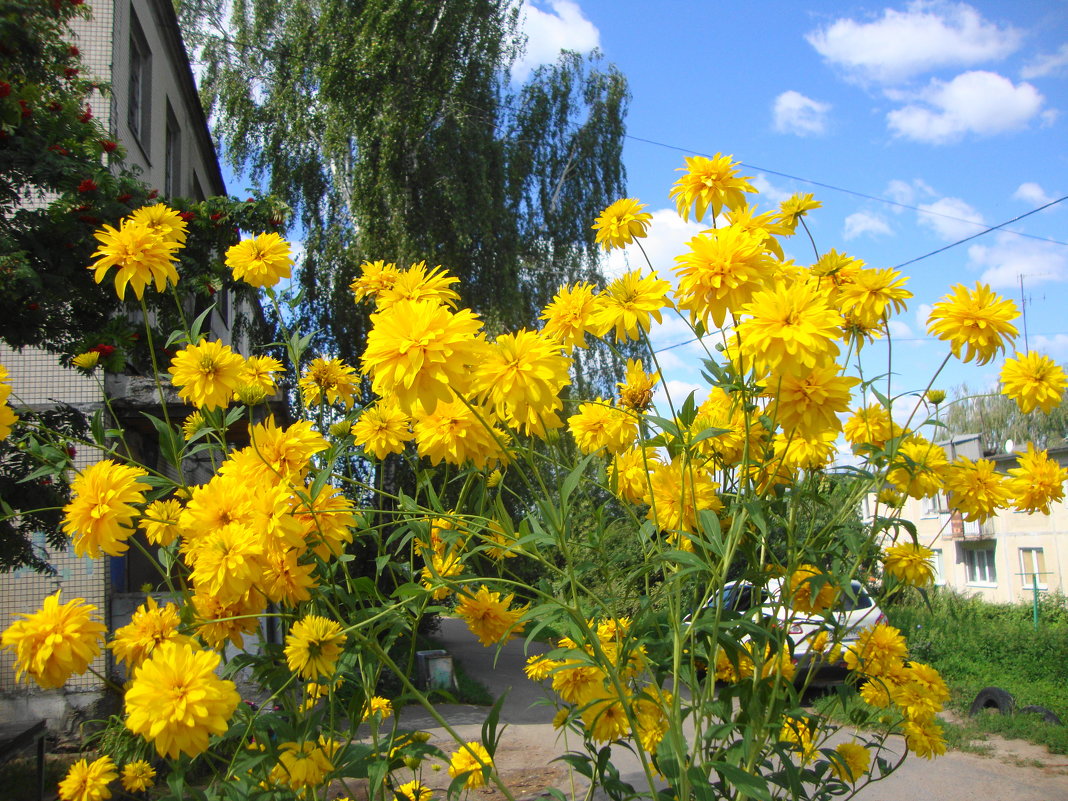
(529,744)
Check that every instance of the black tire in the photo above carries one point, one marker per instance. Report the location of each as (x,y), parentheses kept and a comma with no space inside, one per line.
(993,698)
(1048,715)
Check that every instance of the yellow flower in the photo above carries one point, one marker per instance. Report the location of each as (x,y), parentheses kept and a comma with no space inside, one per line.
(925,738)
(148,629)
(791,329)
(259,373)
(796,452)
(569,317)
(101,511)
(809,590)
(605,718)
(141,255)
(629,304)
(919,692)
(719,275)
(520,379)
(313,646)
(878,652)
(163,220)
(910,563)
(890,497)
(976,488)
(870,427)
(441,566)
(488,617)
(137,776)
(192,425)
(1036,482)
(328,520)
(1033,381)
(176,700)
(601,425)
(301,765)
(376,705)
(709,183)
(207,374)
(88,781)
(86,361)
(160,522)
(472,761)
(420,352)
(802,734)
(621,223)
(852,762)
(795,207)
(261,261)
(328,381)
(978,323)
(278,453)
(809,404)
(919,468)
(457,433)
(539,668)
(226,562)
(415,790)
(375,276)
(416,284)
(8,418)
(678,492)
(870,294)
(285,580)
(54,642)
(629,474)
(578,682)
(382,429)
(636,391)
(217,622)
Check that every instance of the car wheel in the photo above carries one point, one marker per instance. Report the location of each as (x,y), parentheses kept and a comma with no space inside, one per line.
(993,698)
(1048,715)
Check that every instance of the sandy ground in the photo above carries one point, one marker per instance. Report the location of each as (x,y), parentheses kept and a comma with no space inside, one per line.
(1012,771)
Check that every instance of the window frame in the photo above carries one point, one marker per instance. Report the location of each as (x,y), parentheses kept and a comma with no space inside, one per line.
(139,94)
(1036,567)
(981,575)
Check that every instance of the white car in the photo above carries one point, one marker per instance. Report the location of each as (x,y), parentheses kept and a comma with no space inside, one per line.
(855,611)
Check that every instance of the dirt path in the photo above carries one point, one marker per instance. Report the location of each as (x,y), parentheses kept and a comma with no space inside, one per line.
(1014,771)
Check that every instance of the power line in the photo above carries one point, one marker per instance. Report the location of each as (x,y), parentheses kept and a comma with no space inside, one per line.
(854,193)
(981,233)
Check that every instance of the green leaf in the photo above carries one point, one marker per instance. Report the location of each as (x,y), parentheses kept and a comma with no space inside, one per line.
(739,779)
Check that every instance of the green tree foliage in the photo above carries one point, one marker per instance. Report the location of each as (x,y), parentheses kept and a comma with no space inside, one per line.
(997,418)
(388,125)
(61,177)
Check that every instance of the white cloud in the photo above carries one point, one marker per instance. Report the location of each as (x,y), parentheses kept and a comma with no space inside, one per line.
(951,218)
(1010,257)
(977,102)
(923,311)
(900,329)
(668,235)
(768,191)
(905,192)
(1056,347)
(1032,194)
(1046,64)
(562,26)
(864,222)
(923,37)
(679,391)
(799,115)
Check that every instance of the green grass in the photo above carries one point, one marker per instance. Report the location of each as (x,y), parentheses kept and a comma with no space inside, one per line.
(974,644)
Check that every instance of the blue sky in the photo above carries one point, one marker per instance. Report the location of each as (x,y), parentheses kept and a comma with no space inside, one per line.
(957,109)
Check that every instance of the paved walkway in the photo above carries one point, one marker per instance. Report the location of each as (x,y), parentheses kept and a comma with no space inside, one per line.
(529,744)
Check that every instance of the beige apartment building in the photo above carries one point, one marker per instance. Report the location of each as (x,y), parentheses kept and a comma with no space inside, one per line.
(155,112)
(1003,558)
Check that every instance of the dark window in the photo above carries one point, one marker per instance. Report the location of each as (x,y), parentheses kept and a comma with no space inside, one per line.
(140,84)
(172,166)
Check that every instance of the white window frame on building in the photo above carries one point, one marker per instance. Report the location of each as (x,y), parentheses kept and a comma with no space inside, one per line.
(980,565)
(139,108)
(934,505)
(1032,563)
(939,566)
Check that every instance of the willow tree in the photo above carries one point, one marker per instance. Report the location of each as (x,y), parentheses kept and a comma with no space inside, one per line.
(391,128)
(997,419)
